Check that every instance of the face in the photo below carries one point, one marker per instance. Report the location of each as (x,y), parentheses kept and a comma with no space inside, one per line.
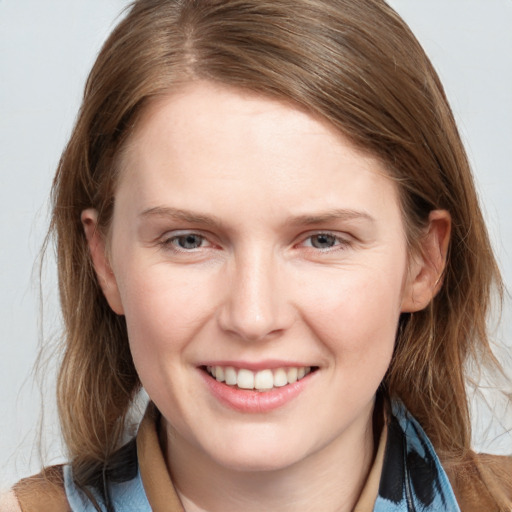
(261,263)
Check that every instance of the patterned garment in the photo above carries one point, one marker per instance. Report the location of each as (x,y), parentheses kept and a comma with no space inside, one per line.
(412,478)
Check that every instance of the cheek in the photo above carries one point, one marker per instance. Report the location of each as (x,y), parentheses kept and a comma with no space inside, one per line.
(164,308)
(355,312)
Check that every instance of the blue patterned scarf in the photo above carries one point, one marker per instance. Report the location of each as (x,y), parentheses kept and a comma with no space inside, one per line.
(412,479)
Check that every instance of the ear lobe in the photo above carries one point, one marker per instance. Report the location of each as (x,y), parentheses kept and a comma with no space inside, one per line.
(425,276)
(100,261)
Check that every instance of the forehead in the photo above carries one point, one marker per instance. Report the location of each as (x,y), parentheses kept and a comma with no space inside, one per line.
(228,146)
(195,106)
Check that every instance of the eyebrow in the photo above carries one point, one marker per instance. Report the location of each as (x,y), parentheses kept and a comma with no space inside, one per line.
(211,220)
(331,215)
(178,214)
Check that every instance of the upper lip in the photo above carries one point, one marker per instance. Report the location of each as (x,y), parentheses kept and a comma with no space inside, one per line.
(255,366)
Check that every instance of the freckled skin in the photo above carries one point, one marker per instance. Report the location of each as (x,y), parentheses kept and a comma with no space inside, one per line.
(259,182)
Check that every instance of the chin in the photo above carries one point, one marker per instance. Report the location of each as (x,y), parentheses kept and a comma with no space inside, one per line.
(255,463)
(252,455)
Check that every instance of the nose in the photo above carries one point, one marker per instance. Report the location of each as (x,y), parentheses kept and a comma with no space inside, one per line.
(256,305)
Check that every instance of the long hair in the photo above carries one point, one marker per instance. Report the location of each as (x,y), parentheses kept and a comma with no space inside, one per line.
(357,65)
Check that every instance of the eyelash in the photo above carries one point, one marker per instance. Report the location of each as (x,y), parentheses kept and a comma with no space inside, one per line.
(339,243)
(168,243)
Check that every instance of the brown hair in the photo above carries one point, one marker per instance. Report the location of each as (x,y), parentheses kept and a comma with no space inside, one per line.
(352,62)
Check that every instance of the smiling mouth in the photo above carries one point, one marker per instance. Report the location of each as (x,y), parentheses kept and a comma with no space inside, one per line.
(263,380)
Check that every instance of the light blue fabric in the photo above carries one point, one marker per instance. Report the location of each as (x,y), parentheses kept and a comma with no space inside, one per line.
(412,479)
(424,485)
(126,496)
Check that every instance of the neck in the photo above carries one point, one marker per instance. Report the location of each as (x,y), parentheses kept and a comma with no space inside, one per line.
(330,479)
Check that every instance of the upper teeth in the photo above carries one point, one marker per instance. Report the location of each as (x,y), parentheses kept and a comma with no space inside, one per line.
(261,380)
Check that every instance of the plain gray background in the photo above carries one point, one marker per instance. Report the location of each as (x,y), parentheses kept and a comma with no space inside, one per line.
(46,50)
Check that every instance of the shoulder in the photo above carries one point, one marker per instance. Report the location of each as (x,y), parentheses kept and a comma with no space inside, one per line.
(482,482)
(39,493)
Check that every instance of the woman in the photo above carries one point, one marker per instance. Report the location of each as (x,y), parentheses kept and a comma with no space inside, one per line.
(266,218)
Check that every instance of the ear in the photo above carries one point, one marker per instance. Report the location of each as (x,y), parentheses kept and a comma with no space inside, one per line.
(102,267)
(426,267)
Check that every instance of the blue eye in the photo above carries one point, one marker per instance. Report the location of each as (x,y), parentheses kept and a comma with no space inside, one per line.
(323,241)
(187,241)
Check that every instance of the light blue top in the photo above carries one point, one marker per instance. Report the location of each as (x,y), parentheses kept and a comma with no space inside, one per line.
(126,496)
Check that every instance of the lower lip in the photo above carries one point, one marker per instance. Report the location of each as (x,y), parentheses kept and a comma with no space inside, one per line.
(251,401)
